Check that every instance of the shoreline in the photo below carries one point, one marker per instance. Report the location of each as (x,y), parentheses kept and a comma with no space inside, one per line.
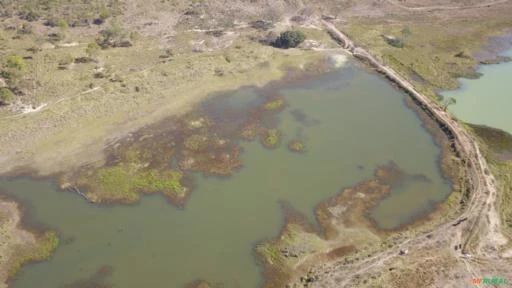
(33,243)
(420,105)
(453,141)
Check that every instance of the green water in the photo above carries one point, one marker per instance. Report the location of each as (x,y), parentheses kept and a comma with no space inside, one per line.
(351,122)
(486,100)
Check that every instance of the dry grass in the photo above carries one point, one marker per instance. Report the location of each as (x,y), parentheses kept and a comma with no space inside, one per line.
(429,56)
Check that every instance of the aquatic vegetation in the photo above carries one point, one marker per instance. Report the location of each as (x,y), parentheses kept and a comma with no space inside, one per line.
(343,218)
(275,104)
(250,132)
(123,183)
(97,280)
(271,253)
(40,251)
(271,138)
(196,142)
(296,146)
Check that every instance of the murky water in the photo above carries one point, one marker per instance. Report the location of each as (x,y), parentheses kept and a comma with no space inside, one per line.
(350,121)
(486,100)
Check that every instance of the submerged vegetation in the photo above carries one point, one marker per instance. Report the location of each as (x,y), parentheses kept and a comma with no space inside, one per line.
(274,104)
(161,157)
(296,146)
(270,138)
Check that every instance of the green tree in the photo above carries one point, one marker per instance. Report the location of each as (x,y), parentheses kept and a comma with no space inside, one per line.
(111,36)
(15,62)
(289,39)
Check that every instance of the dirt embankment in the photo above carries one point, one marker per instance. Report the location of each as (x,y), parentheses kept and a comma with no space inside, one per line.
(475,232)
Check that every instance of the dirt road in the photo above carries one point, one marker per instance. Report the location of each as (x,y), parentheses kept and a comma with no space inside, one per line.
(479,223)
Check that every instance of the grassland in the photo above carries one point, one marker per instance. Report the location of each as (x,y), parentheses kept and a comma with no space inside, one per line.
(434,53)
(138,88)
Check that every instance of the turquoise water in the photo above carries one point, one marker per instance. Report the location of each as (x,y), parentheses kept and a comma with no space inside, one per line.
(486,100)
(350,120)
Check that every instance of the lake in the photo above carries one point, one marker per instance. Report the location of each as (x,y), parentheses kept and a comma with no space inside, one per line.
(350,121)
(487,100)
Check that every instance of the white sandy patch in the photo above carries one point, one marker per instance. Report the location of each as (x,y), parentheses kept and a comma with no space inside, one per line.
(338,60)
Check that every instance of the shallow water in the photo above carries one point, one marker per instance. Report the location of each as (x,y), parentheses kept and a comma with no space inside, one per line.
(486,100)
(350,120)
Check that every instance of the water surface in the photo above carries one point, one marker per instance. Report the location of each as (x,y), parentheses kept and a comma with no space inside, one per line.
(350,120)
(486,100)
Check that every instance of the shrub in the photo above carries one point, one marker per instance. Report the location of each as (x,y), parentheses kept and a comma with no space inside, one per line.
(16,62)
(105,13)
(65,61)
(25,29)
(55,37)
(396,42)
(262,25)
(63,24)
(92,49)
(111,37)
(31,16)
(289,39)
(6,96)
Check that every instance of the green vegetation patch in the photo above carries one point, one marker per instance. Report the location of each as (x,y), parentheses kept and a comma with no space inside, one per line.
(498,140)
(296,146)
(274,105)
(124,182)
(271,138)
(289,39)
(42,250)
(6,96)
(433,60)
